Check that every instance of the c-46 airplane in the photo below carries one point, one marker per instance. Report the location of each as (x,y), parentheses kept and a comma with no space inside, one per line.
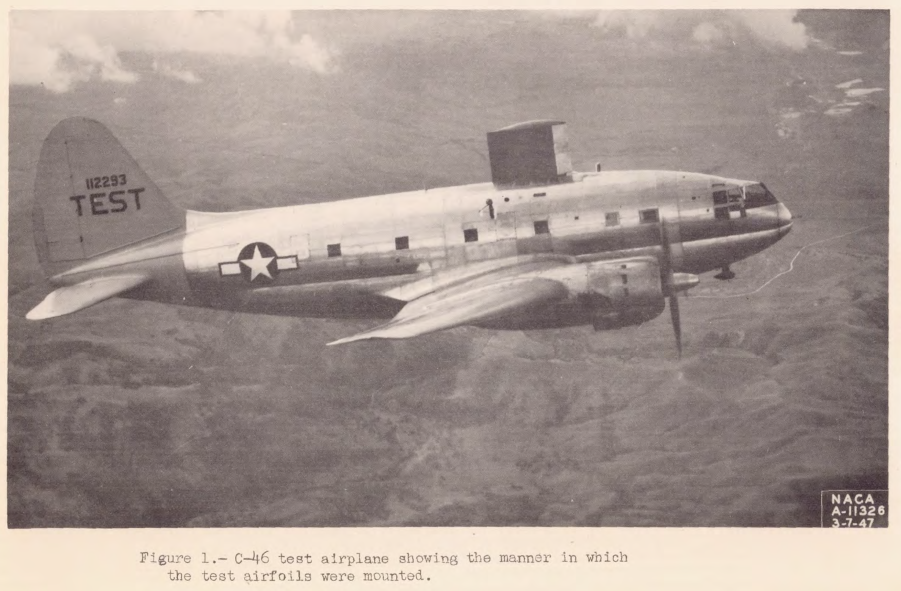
(540,246)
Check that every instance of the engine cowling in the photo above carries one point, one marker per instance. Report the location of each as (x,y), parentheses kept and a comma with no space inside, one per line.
(605,294)
(623,293)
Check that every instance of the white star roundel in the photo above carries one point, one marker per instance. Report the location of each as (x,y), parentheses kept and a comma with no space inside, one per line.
(256,261)
(259,264)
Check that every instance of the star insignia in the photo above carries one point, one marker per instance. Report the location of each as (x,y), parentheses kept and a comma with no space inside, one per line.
(258,264)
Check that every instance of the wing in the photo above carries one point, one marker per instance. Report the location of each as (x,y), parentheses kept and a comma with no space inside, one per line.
(73,298)
(464,304)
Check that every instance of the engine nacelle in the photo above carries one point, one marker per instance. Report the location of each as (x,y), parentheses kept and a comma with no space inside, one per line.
(605,294)
(618,293)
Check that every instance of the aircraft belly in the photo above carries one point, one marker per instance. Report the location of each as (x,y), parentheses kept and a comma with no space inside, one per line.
(321,300)
(234,283)
(705,255)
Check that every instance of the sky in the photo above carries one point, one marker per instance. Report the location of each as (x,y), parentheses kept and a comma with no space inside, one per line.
(61,50)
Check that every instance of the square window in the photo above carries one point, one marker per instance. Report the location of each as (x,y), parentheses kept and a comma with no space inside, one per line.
(334,250)
(471,235)
(402,243)
(720,198)
(649,216)
(612,218)
(541,227)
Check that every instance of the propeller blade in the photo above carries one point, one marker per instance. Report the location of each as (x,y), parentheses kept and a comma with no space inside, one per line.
(666,261)
(666,272)
(677,321)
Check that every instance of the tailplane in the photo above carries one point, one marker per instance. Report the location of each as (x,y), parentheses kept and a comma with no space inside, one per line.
(73,298)
(91,197)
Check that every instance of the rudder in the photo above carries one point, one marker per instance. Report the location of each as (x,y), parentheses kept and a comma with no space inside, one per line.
(91,197)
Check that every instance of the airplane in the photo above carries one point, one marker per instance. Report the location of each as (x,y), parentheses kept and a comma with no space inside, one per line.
(540,246)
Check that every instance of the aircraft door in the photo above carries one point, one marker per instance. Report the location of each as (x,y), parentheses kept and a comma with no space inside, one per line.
(300,246)
(534,232)
(480,240)
(506,225)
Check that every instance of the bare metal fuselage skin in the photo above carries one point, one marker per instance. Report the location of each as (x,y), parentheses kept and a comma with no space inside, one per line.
(367,257)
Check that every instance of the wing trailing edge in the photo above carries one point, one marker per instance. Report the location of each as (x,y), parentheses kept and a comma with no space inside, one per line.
(79,296)
(464,304)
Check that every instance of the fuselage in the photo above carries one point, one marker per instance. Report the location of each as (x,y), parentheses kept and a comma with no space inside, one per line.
(366,257)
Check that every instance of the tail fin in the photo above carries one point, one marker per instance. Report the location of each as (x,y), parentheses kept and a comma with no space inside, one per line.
(91,197)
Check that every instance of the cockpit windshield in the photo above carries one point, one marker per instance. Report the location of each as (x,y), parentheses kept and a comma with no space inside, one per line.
(757,195)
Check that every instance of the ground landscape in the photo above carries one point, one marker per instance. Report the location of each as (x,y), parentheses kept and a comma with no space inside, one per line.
(134,414)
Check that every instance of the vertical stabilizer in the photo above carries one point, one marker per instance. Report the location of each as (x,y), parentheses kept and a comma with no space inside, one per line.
(91,197)
(530,153)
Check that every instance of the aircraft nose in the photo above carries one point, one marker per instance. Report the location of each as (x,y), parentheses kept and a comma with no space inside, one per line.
(785,219)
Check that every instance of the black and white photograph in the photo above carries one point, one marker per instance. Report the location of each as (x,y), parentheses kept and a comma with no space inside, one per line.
(448,268)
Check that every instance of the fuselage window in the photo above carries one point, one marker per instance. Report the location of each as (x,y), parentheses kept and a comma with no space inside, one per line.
(612,218)
(334,250)
(541,227)
(649,216)
(470,235)
(720,204)
(402,243)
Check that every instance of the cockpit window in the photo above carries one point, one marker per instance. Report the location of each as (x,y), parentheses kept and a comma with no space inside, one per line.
(757,195)
(734,197)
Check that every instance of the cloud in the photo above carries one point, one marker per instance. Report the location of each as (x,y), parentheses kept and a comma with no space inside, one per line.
(632,24)
(708,34)
(770,28)
(60,49)
(59,66)
(171,72)
(775,27)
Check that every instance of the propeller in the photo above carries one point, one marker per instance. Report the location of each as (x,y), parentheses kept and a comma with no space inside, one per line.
(670,286)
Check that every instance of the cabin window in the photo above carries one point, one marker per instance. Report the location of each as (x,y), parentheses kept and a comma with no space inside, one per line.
(541,227)
(402,243)
(538,194)
(720,198)
(649,216)
(612,218)
(334,250)
(470,235)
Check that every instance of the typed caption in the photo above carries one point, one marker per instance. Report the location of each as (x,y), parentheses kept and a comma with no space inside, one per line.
(262,565)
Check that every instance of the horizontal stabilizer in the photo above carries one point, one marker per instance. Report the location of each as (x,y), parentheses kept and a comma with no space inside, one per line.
(73,298)
(464,304)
